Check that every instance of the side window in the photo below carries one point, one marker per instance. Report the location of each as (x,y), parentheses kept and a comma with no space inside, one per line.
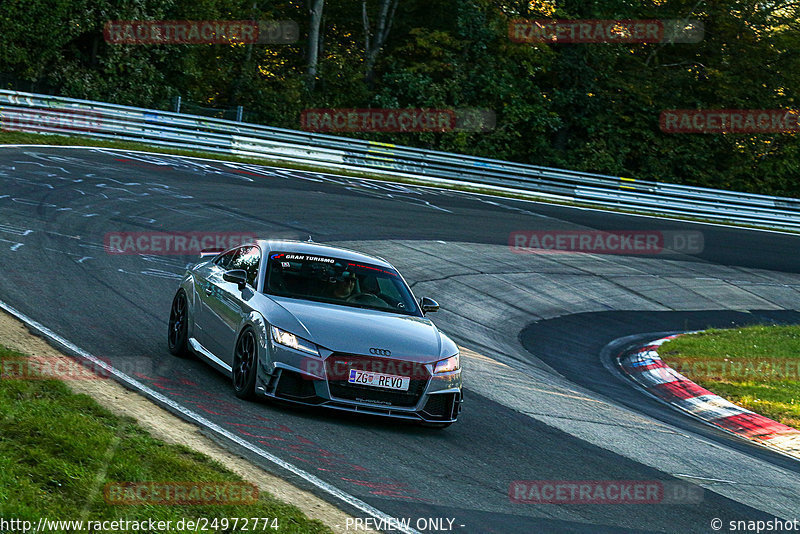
(225,260)
(249,260)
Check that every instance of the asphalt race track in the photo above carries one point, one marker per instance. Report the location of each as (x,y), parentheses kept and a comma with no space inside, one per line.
(540,404)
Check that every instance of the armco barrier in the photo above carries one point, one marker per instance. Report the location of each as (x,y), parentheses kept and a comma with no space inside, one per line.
(30,112)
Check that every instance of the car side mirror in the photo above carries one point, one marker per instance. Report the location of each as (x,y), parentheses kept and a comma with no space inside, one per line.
(428,305)
(237,276)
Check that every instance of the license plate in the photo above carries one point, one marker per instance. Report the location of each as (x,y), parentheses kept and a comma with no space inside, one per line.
(378,380)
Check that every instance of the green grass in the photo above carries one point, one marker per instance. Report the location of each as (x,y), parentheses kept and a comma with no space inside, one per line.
(756,367)
(58,450)
(23,138)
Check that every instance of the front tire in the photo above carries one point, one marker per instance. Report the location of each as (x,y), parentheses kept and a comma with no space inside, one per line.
(245,365)
(178,331)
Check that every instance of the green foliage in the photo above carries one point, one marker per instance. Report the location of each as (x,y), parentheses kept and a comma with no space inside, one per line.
(45,471)
(757,367)
(592,107)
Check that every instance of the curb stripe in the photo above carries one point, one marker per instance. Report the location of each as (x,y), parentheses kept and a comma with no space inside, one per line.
(711,407)
(753,425)
(679,390)
(645,367)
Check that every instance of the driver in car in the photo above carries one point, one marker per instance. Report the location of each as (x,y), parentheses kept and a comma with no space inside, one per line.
(343,287)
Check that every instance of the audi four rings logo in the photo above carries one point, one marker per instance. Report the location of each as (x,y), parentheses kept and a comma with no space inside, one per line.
(380,352)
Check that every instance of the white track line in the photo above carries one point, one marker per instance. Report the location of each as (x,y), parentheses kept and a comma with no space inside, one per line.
(202,421)
(443,187)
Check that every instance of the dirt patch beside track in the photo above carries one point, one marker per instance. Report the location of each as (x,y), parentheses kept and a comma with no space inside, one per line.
(171,429)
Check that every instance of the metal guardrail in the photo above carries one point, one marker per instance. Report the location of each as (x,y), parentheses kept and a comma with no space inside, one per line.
(50,114)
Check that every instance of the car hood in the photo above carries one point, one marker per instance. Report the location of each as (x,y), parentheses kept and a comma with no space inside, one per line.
(356,330)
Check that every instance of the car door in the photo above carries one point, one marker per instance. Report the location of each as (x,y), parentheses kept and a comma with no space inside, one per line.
(204,314)
(227,304)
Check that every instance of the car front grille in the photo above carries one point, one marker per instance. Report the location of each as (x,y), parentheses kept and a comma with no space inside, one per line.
(338,365)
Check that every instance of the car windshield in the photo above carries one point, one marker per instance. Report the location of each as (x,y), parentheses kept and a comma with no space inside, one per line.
(338,281)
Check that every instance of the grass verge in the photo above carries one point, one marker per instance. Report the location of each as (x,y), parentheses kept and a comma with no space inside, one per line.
(24,138)
(59,450)
(756,367)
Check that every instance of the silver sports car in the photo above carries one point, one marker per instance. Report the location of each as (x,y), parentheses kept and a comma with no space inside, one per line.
(318,325)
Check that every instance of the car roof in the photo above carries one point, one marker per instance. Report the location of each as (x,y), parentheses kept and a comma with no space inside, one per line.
(308,247)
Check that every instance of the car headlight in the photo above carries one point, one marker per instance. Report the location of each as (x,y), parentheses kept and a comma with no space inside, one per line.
(287,339)
(447,365)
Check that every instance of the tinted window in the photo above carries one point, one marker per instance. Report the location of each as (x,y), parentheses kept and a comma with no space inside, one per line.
(326,279)
(225,260)
(248,258)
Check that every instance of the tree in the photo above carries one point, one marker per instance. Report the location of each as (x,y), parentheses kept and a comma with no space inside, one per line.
(375,40)
(314,41)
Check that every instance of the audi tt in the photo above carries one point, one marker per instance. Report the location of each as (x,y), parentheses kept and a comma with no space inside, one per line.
(320,326)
